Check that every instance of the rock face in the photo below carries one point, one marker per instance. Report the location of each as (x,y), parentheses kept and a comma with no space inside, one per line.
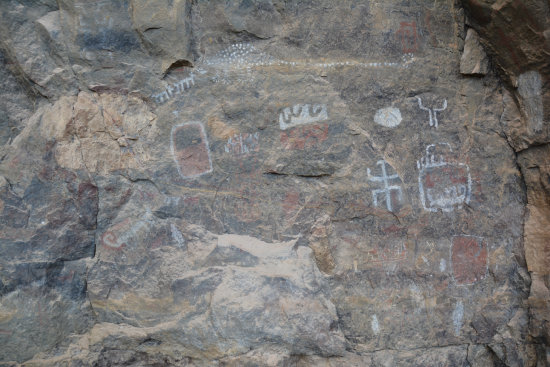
(516,35)
(274,183)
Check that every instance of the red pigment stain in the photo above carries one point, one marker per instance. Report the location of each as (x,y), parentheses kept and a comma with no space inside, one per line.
(469,259)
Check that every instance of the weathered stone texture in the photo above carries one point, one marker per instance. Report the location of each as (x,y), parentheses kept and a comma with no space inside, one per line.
(516,35)
(274,183)
(474,61)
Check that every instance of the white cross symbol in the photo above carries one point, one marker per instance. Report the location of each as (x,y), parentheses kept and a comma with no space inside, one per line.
(387,188)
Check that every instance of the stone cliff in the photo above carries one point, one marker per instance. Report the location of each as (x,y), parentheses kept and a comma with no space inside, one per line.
(275,183)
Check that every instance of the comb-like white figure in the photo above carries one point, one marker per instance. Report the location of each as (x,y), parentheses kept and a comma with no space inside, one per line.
(301,114)
(432,112)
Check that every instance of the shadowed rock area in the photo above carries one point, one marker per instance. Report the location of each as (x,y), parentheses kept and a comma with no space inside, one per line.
(275,183)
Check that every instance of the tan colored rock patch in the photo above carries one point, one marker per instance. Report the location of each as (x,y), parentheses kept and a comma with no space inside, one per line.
(98,133)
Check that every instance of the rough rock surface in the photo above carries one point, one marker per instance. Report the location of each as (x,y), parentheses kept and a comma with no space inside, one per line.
(516,34)
(474,60)
(274,183)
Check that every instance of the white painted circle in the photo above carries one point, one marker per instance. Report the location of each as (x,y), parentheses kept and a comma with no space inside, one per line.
(388,117)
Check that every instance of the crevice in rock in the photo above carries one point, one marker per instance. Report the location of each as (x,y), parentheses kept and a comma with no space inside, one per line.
(27,83)
(177,64)
(303,175)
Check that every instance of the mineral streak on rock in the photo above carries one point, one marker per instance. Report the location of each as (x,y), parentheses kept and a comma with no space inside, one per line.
(274,183)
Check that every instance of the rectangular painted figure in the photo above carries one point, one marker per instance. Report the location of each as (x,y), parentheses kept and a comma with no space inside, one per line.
(468,259)
(389,254)
(443,183)
(408,37)
(304,137)
(190,149)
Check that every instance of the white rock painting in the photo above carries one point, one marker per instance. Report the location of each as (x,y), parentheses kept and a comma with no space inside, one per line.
(458,315)
(443,183)
(301,114)
(388,117)
(530,90)
(432,112)
(387,187)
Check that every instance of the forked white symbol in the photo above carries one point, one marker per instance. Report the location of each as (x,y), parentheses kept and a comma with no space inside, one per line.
(432,112)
